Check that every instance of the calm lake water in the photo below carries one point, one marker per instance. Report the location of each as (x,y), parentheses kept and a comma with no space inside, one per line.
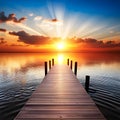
(21,73)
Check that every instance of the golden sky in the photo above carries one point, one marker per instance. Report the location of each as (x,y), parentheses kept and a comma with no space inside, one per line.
(58,26)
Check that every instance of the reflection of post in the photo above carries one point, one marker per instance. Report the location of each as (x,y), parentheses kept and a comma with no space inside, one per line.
(52,62)
(87,81)
(71,64)
(45,68)
(75,68)
(49,64)
(68,62)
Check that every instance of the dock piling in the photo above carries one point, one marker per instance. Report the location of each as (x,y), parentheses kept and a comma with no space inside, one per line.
(75,68)
(45,68)
(52,62)
(71,64)
(49,64)
(87,82)
(68,62)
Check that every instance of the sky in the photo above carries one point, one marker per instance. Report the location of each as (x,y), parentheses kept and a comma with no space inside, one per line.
(59,25)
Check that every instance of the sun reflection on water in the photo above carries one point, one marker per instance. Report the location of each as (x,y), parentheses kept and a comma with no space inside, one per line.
(60,58)
(30,63)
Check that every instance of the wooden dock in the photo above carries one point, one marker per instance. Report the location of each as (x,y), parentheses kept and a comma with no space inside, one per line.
(60,96)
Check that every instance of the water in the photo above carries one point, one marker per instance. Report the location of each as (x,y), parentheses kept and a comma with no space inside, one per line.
(21,73)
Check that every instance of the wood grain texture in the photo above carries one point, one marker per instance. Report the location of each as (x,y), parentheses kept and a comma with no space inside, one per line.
(60,96)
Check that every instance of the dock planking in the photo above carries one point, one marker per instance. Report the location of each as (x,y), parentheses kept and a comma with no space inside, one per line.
(60,96)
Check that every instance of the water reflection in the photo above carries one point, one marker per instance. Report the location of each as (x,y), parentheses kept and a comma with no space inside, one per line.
(60,58)
(20,73)
(19,61)
(27,65)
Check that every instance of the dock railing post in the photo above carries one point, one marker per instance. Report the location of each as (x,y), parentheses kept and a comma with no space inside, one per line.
(71,64)
(49,64)
(68,62)
(52,62)
(87,82)
(75,68)
(45,68)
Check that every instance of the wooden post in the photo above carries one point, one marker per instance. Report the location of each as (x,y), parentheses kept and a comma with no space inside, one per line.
(68,62)
(75,68)
(45,68)
(49,64)
(52,62)
(71,64)
(87,82)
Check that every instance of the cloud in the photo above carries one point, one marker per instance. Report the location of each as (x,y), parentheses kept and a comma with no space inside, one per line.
(50,20)
(31,39)
(86,43)
(53,21)
(31,14)
(2,41)
(19,45)
(37,18)
(10,17)
(3,30)
(93,43)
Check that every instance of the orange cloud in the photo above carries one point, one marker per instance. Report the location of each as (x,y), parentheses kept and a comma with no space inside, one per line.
(2,41)
(93,43)
(38,43)
(54,20)
(2,30)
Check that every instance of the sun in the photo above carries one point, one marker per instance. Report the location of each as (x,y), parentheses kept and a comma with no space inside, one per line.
(60,45)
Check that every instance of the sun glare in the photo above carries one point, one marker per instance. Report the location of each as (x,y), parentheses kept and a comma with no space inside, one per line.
(60,45)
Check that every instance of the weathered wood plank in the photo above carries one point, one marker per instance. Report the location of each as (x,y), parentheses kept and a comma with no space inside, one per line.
(60,96)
